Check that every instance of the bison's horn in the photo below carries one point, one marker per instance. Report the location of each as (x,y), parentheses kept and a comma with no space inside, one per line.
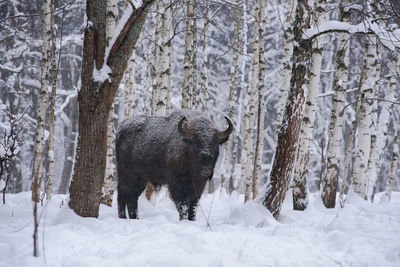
(184,132)
(227,132)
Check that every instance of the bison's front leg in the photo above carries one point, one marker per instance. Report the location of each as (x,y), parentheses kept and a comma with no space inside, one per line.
(183,209)
(128,193)
(186,198)
(192,210)
(187,209)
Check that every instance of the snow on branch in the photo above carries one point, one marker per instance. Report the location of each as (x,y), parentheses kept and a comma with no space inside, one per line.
(11,69)
(103,74)
(390,40)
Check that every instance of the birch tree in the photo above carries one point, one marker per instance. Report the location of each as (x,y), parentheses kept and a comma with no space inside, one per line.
(249,115)
(259,146)
(393,163)
(283,162)
(287,60)
(108,187)
(366,122)
(331,173)
(203,96)
(241,100)
(375,163)
(349,148)
(161,97)
(299,186)
(229,158)
(129,76)
(188,72)
(50,149)
(102,70)
(40,139)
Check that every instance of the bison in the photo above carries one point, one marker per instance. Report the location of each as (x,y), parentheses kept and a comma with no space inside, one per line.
(179,151)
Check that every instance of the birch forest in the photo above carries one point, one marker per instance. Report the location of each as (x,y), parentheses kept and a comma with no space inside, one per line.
(312,88)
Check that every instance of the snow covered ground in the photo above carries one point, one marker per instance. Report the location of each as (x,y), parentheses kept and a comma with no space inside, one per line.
(361,234)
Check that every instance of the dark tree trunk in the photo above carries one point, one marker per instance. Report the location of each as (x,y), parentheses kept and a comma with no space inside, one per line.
(293,113)
(95,99)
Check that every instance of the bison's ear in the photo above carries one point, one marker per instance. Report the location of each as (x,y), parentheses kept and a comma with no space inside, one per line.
(183,129)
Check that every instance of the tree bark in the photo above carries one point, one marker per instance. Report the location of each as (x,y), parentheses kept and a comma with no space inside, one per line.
(349,148)
(203,98)
(331,173)
(54,71)
(235,84)
(383,125)
(241,100)
(187,90)
(287,61)
(95,99)
(282,166)
(299,183)
(249,116)
(108,184)
(161,96)
(366,123)
(393,163)
(259,146)
(40,139)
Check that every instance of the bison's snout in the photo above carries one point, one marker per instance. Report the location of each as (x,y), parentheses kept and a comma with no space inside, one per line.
(205,158)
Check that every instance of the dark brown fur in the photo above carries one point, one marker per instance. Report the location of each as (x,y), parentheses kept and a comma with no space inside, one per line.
(179,151)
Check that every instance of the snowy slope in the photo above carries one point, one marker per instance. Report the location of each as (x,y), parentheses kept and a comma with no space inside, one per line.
(361,234)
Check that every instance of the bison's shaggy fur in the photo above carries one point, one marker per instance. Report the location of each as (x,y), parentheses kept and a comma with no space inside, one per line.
(179,151)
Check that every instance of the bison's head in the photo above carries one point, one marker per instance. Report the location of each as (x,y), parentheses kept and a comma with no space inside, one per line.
(204,140)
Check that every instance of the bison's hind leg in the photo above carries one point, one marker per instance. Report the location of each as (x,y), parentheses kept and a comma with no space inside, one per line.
(122,201)
(128,194)
(137,187)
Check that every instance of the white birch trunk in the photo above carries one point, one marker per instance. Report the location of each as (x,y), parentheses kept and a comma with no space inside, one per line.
(187,90)
(366,125)
(157,49)
(299,181)
(371,172)
(241,101)
(250,114)
(259,146)
(287,61)
(193,80)
(234,84)
(203,98)
(50,149)
(393,164)
(128,100)
(382,129)
(348,153)
(331,174)
(108,186)
(161,97)
(40,138)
